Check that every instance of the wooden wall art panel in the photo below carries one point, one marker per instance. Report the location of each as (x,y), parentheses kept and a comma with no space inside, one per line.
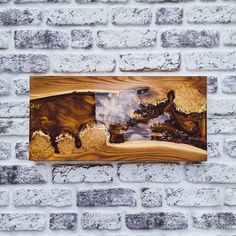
(118,118)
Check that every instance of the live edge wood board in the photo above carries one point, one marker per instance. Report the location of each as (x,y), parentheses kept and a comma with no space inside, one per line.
(118,118)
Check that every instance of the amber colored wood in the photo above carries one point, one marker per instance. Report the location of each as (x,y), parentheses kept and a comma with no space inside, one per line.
(138,151)
(44,86)
(161,151)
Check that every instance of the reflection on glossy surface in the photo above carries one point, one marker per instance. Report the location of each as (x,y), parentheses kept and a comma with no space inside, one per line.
(131,115)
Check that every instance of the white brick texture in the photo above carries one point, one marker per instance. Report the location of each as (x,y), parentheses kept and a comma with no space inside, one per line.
(117,37)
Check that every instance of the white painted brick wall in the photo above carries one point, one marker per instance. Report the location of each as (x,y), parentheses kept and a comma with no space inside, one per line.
(117,37)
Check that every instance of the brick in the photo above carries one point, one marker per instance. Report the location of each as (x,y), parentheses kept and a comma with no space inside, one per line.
(106,197)
(4,1)
(159,220)
(82,16)
(162,1)
(14,109)
(211,61)
(63,221)
(131,16)
(212,84)
(82,38)
(169,16)
(151,197)
(229,38)
(221,125)
(230,147)
(100,1)
(150,62)
(221,107)
(82,173)
(126,38)
(150,172)
(26,63)
(22,222)
(213,149)
(17,127)
(220,220)
(190,197)
(49,39)
(211,14)
(20,16)
(210,173)
(229,84)
(22,150)
(21,86)
(17,174)
(190,38)
(4,199)
(83,63)
(55,197)
(5,150)
(230,197)
(41,1)
(5,39)
(5,88)
(101,221)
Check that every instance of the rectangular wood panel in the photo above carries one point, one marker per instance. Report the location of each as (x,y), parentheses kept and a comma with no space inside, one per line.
(118,118)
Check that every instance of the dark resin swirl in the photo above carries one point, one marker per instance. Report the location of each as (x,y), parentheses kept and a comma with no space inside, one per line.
(125,117)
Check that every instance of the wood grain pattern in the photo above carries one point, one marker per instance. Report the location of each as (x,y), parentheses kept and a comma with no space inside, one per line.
(165,122)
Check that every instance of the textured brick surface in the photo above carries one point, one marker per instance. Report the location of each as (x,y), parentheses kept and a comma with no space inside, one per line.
(150,62)
(40,197)
(83,63)
(106,197)
(131,16)
(5,88)
(222,107)
(193,196)
(81,38)
(212,85)
(4,198)
(23,63)
(230,197)
(213,149)
(126,38)
(21,86)
(82,173)
(229,84)
(14,109)
(211,61)
(5,150)
(40,39)
(151,197)
(22,222)
(190,38)
(211,14)
(221,220)
(22,174)
(169,15)
(17,127)
(221,125)
(63,221)
(230,147)
(149,172)
(161,220)
(82,16)
(5,39)
(101,221)
(211,173)
(22,150)
(25,16)
(229,38)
